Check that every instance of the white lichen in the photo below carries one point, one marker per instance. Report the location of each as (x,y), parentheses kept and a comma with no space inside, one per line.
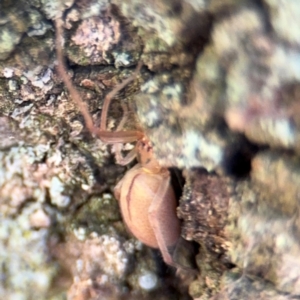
(8,72)
(280,129)
(148,281)
(80,233)
(56,190)
(107,252)
(200,152)
(123,60)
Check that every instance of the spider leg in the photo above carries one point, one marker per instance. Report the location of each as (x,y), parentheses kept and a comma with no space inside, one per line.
(123,160)
(61,68)
(120,159)
(113,93)
(163,219)
(102,133)
(124,118)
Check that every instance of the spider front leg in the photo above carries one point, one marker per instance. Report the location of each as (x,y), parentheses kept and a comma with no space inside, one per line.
(163,218)
(120,159)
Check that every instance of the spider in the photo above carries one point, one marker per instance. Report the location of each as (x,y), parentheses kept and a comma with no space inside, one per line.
(146,197)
